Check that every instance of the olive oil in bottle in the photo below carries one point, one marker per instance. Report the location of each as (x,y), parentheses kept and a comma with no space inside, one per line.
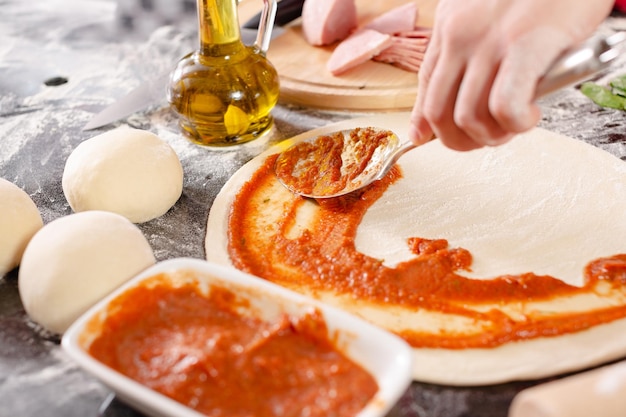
(224,91)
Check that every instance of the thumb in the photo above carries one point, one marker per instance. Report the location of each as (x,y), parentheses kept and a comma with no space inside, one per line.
(420,131)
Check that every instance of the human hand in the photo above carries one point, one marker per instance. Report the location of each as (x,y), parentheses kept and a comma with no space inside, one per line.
(478,79)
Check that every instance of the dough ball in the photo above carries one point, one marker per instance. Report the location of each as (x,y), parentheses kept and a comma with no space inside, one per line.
(76,260)
(19,221)
(127,171)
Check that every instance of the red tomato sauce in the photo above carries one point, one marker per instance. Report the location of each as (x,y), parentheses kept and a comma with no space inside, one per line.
(324,258)
(318,168)
(200,351)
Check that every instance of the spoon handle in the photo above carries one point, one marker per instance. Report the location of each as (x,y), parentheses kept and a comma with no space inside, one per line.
(581,62)
(393,158)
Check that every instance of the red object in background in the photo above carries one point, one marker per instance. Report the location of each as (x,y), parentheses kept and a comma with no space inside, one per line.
(620,5)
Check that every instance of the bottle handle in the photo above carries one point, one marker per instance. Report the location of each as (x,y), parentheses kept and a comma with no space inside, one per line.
(266,24)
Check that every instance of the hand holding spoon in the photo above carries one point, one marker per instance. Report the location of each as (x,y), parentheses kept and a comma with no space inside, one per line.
(341,162)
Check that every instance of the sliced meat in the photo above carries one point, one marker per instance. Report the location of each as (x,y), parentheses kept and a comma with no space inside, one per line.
(411,63)
(406,50)
(358,48)
(399,19)
(328,21)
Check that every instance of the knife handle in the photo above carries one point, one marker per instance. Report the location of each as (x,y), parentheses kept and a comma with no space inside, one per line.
(286,12)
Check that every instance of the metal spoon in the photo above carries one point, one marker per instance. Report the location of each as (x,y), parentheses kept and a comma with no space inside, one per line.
(317,168)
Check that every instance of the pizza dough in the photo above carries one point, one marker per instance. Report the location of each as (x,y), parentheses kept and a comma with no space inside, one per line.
(19,220)
(127,171)
(543,203)
(76,260)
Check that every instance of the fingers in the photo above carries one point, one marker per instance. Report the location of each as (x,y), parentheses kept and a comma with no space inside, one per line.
(514,90)
(440,102)
(472,114)
(475,97)
(478,80)
(433,113)
(420,131)
(452,100)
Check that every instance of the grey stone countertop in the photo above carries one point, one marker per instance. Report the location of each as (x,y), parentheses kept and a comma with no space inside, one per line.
(61,61)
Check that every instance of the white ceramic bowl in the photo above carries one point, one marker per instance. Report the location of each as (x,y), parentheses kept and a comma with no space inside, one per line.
(385,356)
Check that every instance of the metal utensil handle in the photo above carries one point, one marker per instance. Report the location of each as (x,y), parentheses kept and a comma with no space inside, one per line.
(581,62)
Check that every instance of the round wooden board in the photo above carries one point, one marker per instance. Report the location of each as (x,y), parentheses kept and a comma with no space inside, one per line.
(371,86)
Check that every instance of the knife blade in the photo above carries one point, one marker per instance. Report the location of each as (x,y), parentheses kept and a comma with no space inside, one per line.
(153,91)
(147,93)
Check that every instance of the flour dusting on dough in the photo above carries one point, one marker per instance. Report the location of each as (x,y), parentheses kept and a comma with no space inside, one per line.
(523,207)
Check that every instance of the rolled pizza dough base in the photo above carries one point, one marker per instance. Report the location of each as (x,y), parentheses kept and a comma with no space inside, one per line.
(543,203)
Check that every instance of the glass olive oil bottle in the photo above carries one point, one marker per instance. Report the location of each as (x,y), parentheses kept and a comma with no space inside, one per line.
(224,91)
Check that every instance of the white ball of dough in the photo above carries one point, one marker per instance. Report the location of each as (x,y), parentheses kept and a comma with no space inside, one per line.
(76,260)
(19,221)
(127,171)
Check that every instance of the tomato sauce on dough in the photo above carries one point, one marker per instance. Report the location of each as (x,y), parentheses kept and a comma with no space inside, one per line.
(323,260)
(200,351)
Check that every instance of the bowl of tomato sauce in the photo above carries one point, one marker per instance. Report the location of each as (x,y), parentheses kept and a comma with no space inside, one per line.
(189,338)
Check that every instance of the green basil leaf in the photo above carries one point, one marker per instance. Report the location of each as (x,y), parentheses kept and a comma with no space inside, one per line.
(619,85)
(602,96)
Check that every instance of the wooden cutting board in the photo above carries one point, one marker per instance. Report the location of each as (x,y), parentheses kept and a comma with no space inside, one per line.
(372,86)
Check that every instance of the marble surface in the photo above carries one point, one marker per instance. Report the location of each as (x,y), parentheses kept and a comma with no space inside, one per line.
(61,61)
